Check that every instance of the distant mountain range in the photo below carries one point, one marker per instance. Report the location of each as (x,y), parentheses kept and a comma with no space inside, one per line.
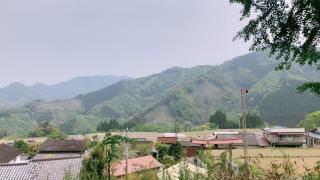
(18,93)
(186,95)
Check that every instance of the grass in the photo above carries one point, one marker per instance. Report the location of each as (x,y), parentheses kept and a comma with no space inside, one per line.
(302,157)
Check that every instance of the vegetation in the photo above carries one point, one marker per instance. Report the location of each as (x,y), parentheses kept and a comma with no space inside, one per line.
(105,126)
(31,149)
(186,97)
(254,120)
(288,29)
(175,150)
(102,155)
(46,129)
(162,151)
(311,121)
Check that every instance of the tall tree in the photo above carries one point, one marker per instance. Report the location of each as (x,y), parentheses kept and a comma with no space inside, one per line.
(254,120)
(311,121)
(288,29)
(219,119)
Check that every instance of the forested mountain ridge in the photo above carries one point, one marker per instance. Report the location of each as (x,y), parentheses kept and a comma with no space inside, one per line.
(18,93)
(186,95)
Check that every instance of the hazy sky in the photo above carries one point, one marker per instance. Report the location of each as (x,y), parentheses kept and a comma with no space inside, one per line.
(54,40)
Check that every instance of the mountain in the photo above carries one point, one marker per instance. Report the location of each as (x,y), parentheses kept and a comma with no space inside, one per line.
(184,95)
(190,96)
(18,93)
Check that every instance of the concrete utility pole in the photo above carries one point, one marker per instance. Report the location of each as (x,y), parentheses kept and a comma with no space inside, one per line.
(126,154)
(243,93)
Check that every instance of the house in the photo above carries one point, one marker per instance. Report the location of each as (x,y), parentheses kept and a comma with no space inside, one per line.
(314,137)
(135,165)
(173,172)
(61,148)
(281,136)
(9,154)
(189,149)
(49,169)
(252,139)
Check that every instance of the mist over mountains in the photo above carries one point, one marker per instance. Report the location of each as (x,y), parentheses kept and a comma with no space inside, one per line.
(18,93)
(186,95)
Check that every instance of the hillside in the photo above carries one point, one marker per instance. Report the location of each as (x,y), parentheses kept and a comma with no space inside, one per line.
(186,95)
(18,93)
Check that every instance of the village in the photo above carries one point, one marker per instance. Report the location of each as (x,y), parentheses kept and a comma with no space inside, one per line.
(56,158)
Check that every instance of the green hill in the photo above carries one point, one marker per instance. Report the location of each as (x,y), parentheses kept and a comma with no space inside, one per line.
(186,95)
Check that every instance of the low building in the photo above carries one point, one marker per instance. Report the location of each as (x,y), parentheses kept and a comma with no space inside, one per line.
(61,149)
(135,165)
(189,149)
(52,169)
(173,172)
(281,136)
(9,154)
(252,139)
(314,137)
(216,143)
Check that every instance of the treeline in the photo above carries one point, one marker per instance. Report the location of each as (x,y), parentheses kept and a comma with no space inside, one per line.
(219,120)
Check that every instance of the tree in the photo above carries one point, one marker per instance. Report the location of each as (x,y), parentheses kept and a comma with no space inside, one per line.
(288,29)
(56,134)
(111,145)
(105,126)
(219,119)
(22,145)
(162,150)
(175,150)
(101,156)
(43,129)
(254,120)
(312,121)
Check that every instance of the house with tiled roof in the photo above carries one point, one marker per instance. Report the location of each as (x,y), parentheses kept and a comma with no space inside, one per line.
(41,169)
(61,149)
(9,154)
(135,165)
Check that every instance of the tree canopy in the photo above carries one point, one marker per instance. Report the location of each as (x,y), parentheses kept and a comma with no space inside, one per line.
(288,29)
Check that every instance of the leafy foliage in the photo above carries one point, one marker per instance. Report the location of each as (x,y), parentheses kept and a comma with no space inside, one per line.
(22,145)
(219,119)
(175,150)
(31,149)
(163,150)
(288,29)
(254,120)
(311,121)
(105,126)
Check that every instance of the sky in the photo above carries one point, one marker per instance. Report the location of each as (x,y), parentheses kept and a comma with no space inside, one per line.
(51,41)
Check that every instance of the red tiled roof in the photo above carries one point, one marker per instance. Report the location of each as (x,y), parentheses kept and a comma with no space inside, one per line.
(225,141)
(135,165)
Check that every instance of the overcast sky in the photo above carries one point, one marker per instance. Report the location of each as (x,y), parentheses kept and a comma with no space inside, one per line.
(54,40)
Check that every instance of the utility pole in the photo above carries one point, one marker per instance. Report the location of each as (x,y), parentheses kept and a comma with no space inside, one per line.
(243,93)
(126,154)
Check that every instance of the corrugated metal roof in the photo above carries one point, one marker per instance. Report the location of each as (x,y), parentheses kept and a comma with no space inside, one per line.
(52,169)
(218,142)
(314,135)
(285,130)
(135,165)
